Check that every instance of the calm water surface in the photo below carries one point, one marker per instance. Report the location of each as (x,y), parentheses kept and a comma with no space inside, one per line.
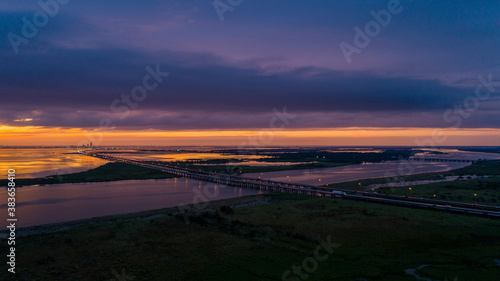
(67,202)
(458,154)
(377,170)
(41,162)
(356,172)
(182,156)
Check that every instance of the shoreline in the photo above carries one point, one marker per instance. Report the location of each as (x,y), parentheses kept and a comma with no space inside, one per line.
(261,237)
(148,214)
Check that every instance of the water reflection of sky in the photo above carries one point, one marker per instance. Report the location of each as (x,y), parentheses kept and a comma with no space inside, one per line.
(66,202)
(171,157)
(446,153)
(356,172)
(41,162)
(259,163)
(35,162)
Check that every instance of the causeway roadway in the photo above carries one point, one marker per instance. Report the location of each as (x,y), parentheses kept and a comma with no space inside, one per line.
(274,186)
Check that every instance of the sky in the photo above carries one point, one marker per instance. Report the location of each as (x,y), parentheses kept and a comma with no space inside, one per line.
(225,72)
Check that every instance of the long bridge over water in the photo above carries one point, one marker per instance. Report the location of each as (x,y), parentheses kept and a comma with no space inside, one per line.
(441,159)
(275,186)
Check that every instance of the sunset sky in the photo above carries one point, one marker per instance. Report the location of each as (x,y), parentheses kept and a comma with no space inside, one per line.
(231,79)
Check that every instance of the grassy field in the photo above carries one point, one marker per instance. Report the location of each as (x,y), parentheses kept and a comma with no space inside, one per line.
(487,191)
(482,168)
(484,149)
(104,173)
(340,157)
(264,239)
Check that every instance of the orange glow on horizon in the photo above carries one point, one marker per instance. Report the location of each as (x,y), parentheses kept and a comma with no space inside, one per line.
(32,135)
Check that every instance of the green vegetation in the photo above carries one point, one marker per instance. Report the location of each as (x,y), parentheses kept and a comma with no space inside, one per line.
(237,169)
(261,240)
(340,157)
(355,185)
(318,159)
(263,169)
(432,152)
(481,168)
(487,191)
(482,149)
(104,173)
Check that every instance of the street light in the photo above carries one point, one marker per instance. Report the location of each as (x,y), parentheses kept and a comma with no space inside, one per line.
(475,198)
(411,192)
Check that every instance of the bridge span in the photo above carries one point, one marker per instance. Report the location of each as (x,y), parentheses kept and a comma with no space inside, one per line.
(282,187)
(441,159)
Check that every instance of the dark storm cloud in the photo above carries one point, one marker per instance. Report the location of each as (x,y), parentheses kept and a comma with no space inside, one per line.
(91,79)
(63,82)
(232,75)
